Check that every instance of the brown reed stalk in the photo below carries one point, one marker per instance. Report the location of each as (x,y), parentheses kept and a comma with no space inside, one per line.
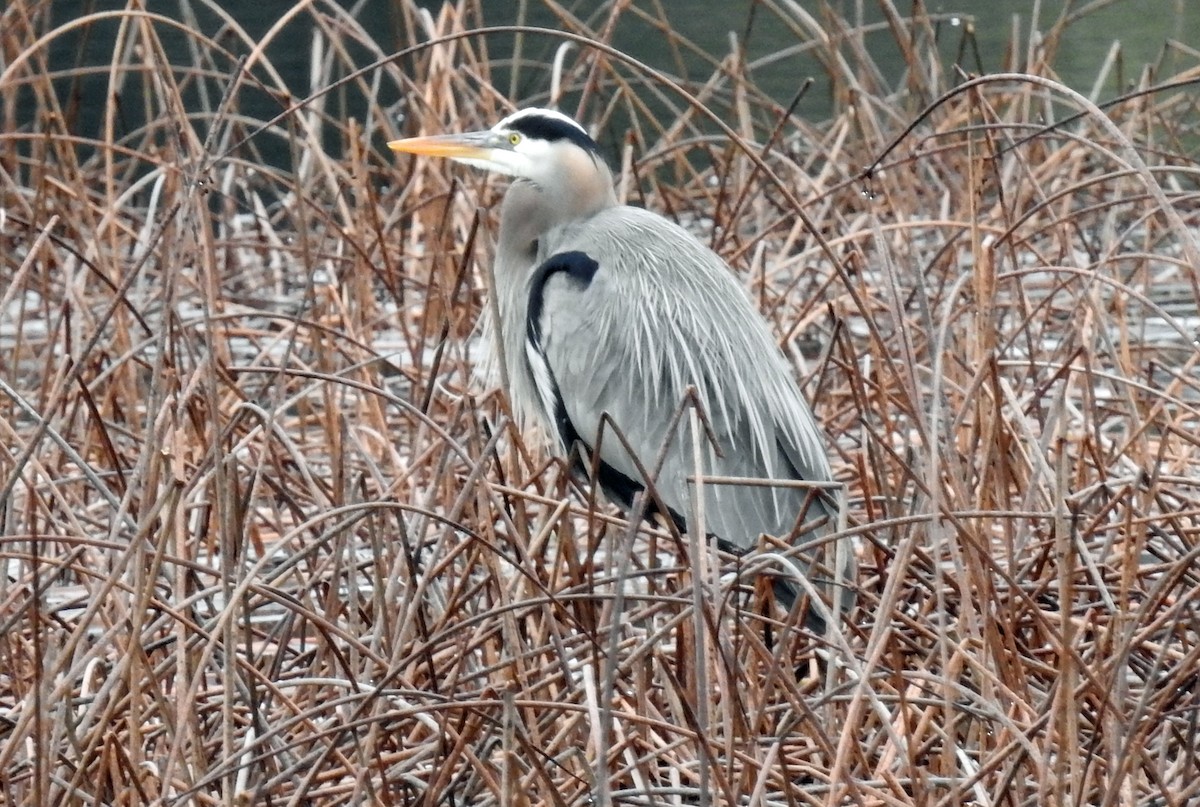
(270,537)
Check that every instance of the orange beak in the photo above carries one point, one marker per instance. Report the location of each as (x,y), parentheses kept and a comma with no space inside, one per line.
(468,146)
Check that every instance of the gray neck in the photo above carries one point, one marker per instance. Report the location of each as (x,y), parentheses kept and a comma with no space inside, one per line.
(529,214)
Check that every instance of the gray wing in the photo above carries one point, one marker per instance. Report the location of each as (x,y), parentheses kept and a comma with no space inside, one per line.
(626,313)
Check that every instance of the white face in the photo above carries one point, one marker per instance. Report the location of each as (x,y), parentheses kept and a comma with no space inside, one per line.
(510,152)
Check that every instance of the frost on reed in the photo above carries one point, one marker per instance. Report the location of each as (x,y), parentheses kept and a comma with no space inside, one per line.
(266,538)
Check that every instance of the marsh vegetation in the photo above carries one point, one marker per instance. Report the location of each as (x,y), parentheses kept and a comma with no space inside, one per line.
(268,539)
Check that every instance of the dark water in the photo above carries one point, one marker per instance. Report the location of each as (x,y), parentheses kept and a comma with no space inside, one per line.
(1142,27)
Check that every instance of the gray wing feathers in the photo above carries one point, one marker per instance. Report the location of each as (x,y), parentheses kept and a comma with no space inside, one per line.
(663,313)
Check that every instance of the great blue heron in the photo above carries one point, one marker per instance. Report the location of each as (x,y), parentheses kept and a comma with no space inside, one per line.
(612,310)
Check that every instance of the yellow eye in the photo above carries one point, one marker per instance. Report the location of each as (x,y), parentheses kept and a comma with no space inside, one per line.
(514,138)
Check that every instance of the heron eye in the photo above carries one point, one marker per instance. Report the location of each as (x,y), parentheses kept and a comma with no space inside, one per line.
(514,138)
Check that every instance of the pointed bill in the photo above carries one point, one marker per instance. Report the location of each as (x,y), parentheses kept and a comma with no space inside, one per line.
(469,146)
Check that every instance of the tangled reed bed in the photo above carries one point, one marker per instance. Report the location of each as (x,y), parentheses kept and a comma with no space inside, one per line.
(266,539)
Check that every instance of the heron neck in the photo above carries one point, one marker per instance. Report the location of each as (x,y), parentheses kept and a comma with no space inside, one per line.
(531,213)
(532,210)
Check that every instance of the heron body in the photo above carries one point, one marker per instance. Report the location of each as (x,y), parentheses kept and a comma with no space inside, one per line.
(610,313)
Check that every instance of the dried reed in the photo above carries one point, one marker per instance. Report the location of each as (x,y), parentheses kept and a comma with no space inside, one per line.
(266,539)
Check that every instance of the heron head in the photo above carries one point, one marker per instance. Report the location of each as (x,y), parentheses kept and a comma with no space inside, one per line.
(540,145)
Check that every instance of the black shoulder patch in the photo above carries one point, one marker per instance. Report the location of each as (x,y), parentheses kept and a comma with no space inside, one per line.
(580,266)
(544,127)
